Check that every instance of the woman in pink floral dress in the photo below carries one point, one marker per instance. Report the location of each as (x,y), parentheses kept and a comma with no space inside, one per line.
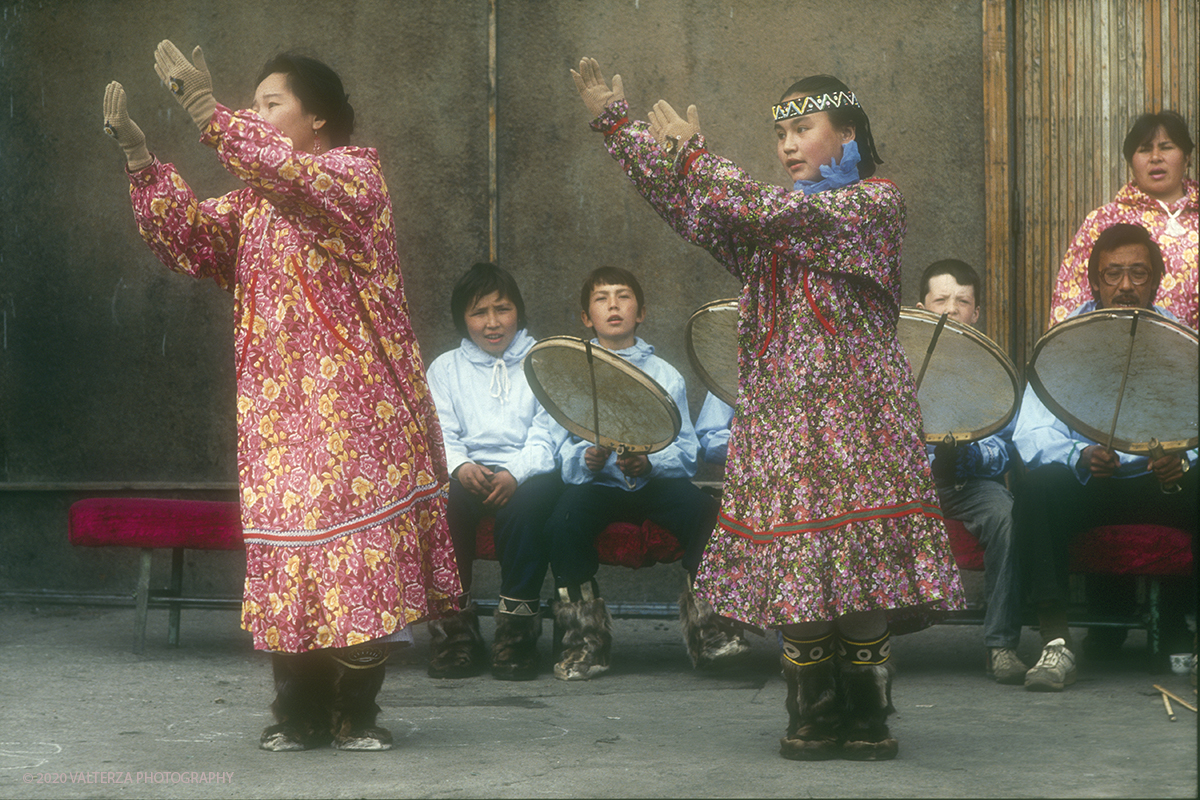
(341,466)
(829,524)
(1163,200)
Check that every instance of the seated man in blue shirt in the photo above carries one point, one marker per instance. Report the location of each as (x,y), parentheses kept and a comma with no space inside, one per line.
(1074,483)
(970,485)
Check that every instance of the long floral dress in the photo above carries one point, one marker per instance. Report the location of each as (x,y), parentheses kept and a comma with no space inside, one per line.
(829,507)
(1178,291)
(341,467)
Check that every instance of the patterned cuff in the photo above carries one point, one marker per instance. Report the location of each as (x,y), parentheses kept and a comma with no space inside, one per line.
(146,176)
(612,119)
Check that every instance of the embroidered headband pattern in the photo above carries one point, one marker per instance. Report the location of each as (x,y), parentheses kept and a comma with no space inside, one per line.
(807,105)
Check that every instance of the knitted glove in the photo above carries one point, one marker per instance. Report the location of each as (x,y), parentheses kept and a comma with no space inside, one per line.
(593,88)
(118,125)
(190,83)
(669,129)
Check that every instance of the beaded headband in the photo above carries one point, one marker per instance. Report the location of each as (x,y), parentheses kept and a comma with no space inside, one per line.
(812,103)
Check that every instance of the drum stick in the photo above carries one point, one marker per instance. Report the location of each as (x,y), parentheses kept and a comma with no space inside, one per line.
(937,331)
(1175,697)
(1157,452)
(1121,392)
(1170,711)
(595,398)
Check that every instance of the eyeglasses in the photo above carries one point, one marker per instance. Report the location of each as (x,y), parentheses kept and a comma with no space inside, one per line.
(1137,275)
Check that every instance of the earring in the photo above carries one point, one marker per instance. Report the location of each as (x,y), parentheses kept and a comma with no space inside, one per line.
(316,144)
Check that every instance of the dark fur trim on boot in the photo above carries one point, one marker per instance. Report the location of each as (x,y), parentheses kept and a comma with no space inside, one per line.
(303,702)
(587,633)
(514,648)
(814,711)
(354,709)
(709,637)
(868,701)
(456,645)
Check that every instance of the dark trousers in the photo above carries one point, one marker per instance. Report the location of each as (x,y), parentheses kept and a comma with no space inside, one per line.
(522,547)
(583,511)
(1052,507)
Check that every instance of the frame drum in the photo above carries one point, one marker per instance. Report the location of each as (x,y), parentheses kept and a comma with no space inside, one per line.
(712,347)
(970,388)
(634,413)
(1079,366)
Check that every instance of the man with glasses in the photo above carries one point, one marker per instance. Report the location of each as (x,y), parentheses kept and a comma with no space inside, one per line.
(1074,483)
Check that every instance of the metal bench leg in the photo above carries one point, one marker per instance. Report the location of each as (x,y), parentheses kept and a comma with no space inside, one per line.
(176,590)
(1154,622)
(143,601)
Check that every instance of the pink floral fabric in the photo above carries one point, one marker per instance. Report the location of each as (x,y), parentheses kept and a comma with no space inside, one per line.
(341,466)
(1178,291)
(828,506)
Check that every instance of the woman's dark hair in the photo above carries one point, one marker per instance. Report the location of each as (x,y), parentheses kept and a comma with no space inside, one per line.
(1145,126)
(320,92)
(846,115)
(1119,235)
(479,281)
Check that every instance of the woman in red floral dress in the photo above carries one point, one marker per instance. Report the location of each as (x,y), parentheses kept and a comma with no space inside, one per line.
(341,466)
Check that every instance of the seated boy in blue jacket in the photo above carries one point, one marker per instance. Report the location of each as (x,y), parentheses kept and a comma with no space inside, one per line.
(602,487)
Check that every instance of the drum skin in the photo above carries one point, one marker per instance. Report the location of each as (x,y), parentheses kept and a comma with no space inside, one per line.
(636,415)
(712,347)
(970,388)
(1078,366)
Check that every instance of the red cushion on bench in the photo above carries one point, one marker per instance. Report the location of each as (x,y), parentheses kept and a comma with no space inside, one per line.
(153,522)
(621,544)
(1108,549)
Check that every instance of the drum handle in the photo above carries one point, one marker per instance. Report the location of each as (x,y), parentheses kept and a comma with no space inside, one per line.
(595,398)
(1112,432)
(1157,452)
(937,332)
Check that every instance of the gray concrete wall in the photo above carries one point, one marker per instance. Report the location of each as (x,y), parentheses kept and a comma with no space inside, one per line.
(114,369)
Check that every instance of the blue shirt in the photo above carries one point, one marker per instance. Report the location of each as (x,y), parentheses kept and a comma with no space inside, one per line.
(488,413)
(677,460)
(712,428)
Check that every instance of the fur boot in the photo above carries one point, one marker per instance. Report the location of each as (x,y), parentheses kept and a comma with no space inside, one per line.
(864,734)
(514,648)
(456,645)
(814,706)
(586,625)
(709,637)
(303,702)
(358,676)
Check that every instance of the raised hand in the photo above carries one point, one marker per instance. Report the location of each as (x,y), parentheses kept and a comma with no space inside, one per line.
(593,88)
(118,125)
(189,82)
(671,130)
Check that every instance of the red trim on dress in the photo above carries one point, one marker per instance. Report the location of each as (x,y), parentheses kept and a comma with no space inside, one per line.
(317,309)
(813,305)
(692,156)
(616,126)
(771,328)
(249,328)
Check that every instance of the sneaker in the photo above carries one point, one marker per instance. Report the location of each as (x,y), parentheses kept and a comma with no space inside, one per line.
(1005,666)
(1054,670)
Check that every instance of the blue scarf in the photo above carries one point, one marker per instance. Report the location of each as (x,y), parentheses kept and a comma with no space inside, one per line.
(836,174)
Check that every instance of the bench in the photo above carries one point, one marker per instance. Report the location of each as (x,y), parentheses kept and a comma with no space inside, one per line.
(1150,552)
(179,525)
(150,524)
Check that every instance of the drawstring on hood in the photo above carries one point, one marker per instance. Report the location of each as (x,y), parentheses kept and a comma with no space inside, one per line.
(501,384)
